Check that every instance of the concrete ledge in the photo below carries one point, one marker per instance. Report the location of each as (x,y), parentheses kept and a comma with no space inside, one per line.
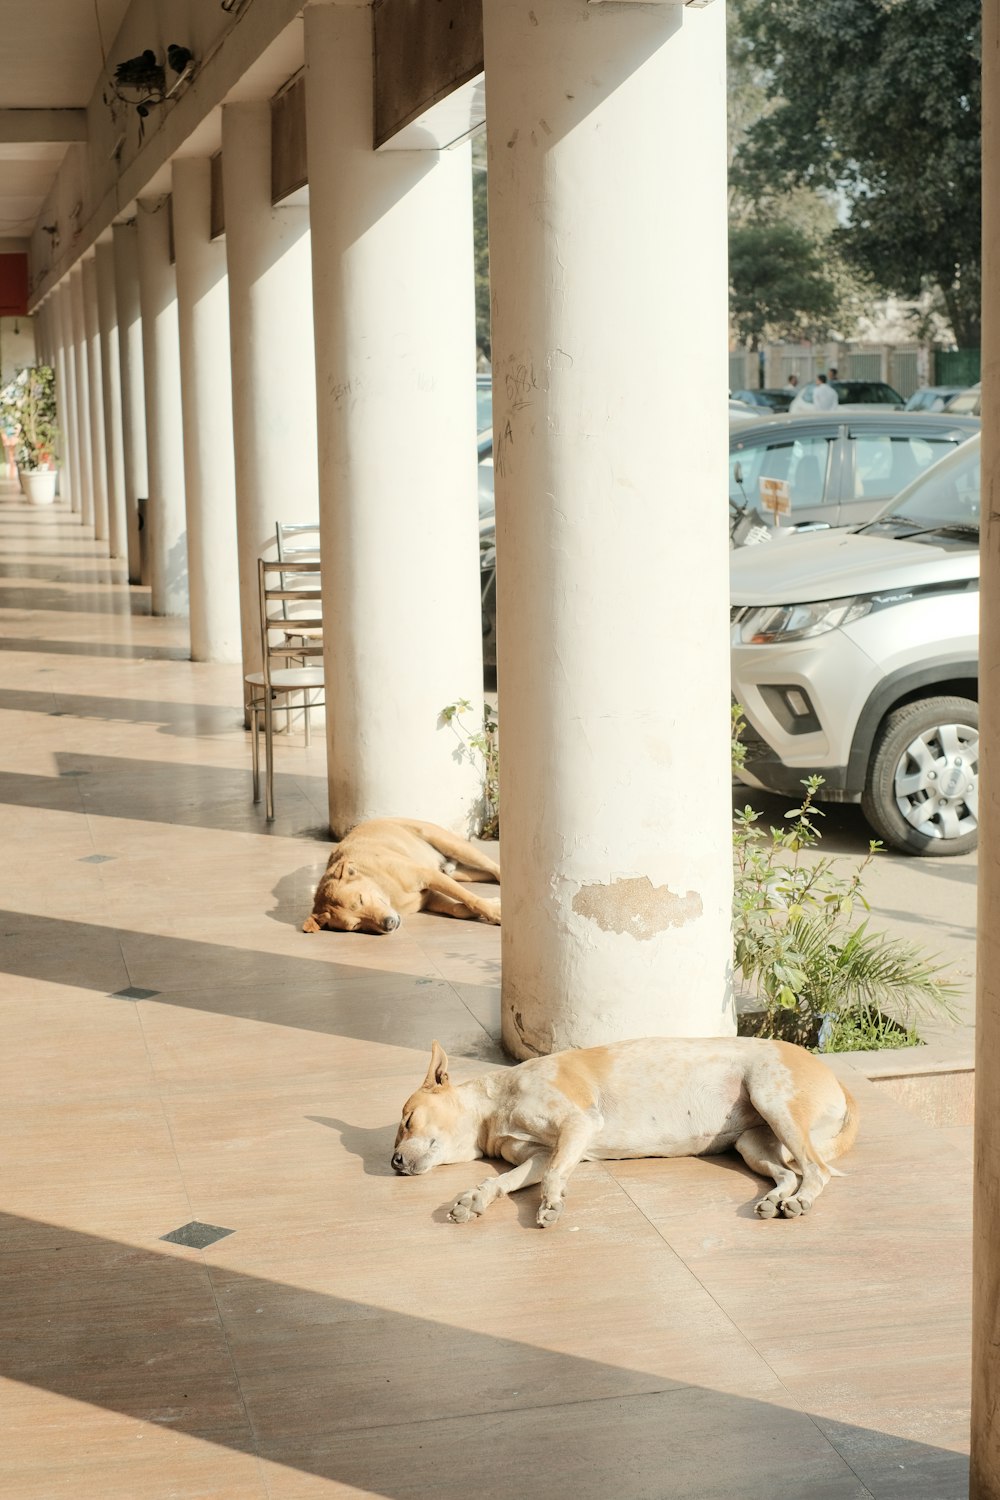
(936,1082)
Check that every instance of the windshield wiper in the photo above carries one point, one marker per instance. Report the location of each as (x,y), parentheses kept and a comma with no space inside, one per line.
(883,521)
(963,528)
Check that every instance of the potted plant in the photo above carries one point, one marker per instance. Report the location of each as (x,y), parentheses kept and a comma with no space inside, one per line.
(28,412)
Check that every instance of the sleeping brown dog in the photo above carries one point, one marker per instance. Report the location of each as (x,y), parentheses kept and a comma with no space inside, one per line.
(389,867)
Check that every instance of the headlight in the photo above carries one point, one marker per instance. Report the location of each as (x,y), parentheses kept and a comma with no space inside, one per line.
(798,622)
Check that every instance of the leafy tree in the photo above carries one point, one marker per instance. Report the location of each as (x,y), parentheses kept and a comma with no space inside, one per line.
(481,242)
(877,102)
(780,284)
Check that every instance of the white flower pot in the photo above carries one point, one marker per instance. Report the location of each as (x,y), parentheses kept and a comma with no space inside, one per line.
(39,485)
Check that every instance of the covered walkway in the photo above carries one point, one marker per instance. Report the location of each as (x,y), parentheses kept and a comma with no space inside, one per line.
(177,1052)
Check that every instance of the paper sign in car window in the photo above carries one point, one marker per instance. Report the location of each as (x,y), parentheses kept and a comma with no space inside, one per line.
(775,496)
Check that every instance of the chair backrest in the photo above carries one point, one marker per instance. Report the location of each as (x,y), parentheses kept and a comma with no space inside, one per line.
(306,593)
(296,542)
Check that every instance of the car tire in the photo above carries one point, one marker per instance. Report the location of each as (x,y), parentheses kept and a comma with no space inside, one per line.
(921,750)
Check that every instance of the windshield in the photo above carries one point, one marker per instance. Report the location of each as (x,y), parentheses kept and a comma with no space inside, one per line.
(866,393)
(946,495)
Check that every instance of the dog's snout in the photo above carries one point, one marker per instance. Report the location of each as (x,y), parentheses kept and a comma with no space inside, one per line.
(390,923)
(397,1161)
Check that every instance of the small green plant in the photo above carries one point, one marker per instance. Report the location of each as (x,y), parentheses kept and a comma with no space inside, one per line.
(821,977)
(28,413)
(483,746)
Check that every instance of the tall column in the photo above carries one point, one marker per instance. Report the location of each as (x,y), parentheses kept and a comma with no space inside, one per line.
(395,359)
(85,472)
(95,366)
(206,396)
(271,339)
(984,1475)
(125,244)
(64,398)
(112,388)
(607,202)
(165,519)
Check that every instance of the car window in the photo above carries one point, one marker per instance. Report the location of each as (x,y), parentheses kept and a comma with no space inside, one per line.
(866,392)
(802,462)
(948,494)
(884,463)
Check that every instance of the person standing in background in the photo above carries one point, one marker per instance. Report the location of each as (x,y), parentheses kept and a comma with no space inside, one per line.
(825,397)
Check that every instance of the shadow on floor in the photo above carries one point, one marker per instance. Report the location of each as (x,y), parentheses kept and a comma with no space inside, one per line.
(148,791)
(184,719)
(325,994)
(401,1406)
(72,601)
(92,648)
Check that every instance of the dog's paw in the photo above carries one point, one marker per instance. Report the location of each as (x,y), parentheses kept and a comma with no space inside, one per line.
(766,1208)
(492,913)
(548,1213)
(791,1208)
(468,1206)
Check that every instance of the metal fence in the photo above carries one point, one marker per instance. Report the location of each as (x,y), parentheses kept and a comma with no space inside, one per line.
(906,367)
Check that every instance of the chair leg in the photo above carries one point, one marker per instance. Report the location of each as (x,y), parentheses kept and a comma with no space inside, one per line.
(255,748)
(268,758)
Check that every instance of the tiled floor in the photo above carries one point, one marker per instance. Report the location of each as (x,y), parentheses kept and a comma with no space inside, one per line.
(176,1051)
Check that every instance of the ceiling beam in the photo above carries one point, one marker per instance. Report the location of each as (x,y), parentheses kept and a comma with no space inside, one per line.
(29,126)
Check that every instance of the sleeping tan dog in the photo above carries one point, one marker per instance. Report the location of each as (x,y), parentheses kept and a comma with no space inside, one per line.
(781,1108)
(389,867)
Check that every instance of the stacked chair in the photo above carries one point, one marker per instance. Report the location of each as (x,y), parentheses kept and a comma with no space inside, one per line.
(291,631)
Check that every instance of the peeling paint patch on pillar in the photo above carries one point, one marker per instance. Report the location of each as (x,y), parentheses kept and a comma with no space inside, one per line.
(636,907)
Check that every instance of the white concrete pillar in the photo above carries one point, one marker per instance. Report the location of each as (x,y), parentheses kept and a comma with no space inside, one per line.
(112,388)
(984,1466)
(271,338)
(94,365)
(206,396)
(395,361)
(165,519)
(43,348)
(607,202)
(64,398)
(85,472)
(125,243)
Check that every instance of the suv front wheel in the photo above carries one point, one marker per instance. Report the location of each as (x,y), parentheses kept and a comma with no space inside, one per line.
(922,791)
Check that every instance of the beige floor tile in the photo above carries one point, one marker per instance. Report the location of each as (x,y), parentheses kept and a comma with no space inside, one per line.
(344,1338)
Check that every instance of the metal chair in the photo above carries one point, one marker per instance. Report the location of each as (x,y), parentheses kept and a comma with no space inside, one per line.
(297,542)
(272,690)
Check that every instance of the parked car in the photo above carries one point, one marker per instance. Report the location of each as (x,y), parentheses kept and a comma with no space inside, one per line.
(770,400)
(840,467)
(968,403)
(932,398)
(855,657)
(484,402)
(851,393)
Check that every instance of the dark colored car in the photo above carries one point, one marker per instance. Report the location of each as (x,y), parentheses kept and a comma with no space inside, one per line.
(771,400)
(851,393)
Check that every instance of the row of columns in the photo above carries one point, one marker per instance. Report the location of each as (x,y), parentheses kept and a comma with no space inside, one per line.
(320,361)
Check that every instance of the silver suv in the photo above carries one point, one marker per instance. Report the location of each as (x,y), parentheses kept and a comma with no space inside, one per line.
(855,656)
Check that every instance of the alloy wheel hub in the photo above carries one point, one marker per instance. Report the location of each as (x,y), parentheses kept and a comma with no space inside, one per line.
(937,781)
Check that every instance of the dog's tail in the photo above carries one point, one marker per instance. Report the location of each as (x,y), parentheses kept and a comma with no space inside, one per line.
(844,1139)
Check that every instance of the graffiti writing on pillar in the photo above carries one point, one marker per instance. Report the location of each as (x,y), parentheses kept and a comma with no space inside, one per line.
(521,387)
(503,440)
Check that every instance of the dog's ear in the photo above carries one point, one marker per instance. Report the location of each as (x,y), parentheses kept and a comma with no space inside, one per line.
(311,925)
(437,1073)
